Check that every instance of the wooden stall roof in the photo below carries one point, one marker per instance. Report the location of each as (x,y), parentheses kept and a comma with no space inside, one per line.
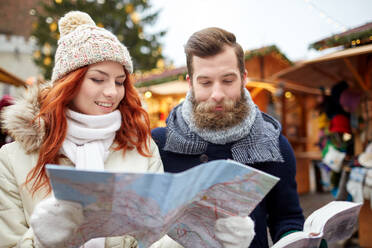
(265,51)
(158,78)
(271,85)
(168,88)
(353,37)
(150,78)
(7,77)
(327,70)
(168,82)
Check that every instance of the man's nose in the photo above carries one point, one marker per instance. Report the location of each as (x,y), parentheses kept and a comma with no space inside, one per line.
(217,93)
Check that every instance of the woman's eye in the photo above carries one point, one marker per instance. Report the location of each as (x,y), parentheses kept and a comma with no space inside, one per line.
(97,80)
(119,83)
(227,81)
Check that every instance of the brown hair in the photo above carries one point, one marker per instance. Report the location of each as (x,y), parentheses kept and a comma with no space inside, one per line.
(209,42)
(133,133)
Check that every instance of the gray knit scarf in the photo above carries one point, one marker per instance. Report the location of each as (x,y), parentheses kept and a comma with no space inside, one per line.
(225,136)
(256,139)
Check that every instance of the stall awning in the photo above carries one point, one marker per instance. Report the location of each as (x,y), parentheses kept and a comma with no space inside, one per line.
(353,65)
(169,88)
(9,78)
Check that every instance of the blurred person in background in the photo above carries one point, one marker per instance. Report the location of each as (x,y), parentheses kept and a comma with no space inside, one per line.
(5,101)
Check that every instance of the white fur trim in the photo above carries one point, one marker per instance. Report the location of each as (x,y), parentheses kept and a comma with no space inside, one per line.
(17,119)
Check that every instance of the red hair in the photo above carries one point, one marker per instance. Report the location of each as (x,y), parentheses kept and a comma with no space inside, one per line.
(133,133)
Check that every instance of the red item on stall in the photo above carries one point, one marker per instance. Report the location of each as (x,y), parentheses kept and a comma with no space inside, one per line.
(340,124)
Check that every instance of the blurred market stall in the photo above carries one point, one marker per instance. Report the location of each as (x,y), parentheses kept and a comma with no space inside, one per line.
(344,117)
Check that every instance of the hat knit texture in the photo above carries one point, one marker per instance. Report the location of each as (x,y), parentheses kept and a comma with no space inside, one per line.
(83,43)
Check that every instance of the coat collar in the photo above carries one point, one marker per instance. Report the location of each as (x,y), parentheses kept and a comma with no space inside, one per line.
(18,119)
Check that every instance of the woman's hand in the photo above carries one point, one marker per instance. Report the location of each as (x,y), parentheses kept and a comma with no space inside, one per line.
(235,231)
(54,221)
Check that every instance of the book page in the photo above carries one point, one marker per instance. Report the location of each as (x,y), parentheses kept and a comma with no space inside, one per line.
(336,220)
(298,239)
(148,205)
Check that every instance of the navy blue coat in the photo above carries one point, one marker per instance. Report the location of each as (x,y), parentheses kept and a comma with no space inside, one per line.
(280,209)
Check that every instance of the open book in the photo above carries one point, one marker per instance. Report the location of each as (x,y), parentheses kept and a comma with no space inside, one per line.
(333,222)
(149,205)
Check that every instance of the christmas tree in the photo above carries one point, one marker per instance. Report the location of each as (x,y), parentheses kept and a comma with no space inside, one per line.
(127,19)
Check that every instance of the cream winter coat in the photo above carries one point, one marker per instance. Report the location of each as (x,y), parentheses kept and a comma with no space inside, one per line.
(19,157)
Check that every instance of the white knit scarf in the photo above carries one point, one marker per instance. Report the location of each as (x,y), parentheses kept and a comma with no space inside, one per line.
(87,144)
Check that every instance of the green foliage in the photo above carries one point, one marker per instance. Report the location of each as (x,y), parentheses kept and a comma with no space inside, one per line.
(347,41)
(260,52)
(180,76)
(127,19)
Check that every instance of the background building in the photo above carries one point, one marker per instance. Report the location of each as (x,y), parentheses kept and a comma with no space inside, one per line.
(16,44)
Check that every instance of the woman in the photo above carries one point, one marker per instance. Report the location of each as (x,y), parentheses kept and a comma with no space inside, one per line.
(90,117)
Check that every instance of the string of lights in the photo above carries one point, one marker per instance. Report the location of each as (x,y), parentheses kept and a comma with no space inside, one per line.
(325,16)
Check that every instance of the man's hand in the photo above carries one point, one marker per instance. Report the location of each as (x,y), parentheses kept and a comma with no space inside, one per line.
(235,231)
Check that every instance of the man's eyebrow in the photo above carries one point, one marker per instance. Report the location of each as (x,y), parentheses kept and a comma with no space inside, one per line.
(229,74)
(201,77)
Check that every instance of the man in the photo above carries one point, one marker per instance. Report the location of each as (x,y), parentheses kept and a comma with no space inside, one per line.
(218,120)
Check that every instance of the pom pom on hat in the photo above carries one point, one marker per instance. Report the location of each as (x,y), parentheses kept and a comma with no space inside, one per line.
(72,20)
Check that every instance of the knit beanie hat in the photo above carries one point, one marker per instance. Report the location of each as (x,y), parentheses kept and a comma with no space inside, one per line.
(83,43)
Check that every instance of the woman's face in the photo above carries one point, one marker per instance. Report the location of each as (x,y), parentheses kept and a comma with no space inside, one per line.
(102,89)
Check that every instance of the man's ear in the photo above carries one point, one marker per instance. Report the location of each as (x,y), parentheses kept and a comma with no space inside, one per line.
(245,76)
(189,81)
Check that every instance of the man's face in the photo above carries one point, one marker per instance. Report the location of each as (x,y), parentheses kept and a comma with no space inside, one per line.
(216,78)
(217,89)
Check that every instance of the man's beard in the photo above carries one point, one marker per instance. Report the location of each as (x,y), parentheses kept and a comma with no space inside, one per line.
(233,113)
